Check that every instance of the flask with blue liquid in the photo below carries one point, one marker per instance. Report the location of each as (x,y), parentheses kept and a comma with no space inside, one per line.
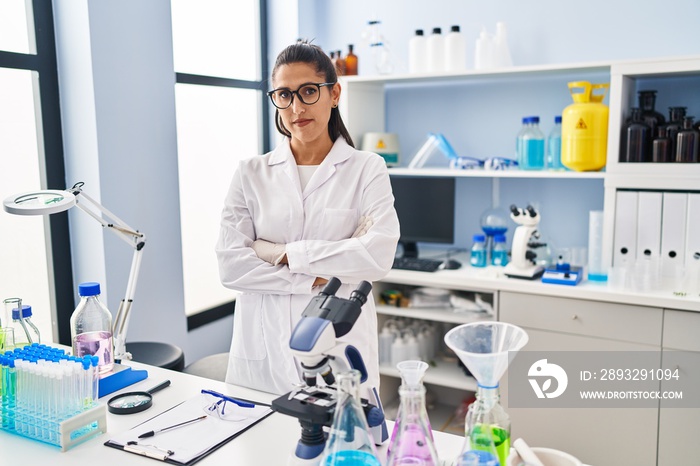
(530,145)
(478,251)
(554,146)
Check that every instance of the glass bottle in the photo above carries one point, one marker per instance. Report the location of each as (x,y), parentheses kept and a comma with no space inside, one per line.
(413,444)
(647,102)
(349,441)
(91,327)
(339,63)
(554,146)
(478,251)
(675,124)
(661,148)
(487,426)
(351,62)
(635,142)
(25,331)
(687,142)
(530,145)
(499,255)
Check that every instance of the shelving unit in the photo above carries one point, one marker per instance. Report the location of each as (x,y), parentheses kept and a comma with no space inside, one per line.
(369,103)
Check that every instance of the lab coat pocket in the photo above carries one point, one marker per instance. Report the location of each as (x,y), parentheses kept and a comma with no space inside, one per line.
(248,336)
(338,224)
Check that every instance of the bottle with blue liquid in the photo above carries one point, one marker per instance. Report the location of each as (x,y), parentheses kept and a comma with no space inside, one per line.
(499,255)
(478,251)
(530,145)
(554,146)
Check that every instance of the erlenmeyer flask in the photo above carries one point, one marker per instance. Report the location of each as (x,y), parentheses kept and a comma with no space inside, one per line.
(412,373)
(487,426)
(349,441)
(413,444)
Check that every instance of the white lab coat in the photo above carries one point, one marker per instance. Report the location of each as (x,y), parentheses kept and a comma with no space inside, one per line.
(265,201)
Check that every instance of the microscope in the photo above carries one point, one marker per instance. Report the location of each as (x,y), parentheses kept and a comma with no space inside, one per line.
(314,342)
(525,239)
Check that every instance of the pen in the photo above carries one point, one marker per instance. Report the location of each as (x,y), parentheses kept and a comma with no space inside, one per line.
(151,433)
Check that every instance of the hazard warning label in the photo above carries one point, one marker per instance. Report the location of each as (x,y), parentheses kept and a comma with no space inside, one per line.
(581,124)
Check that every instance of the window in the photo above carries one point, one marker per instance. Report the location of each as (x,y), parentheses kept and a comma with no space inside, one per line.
(222,116)
(32,158)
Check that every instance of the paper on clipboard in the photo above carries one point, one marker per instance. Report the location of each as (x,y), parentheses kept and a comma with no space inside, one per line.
(188,443)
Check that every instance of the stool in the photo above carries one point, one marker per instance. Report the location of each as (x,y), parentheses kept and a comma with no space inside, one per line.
(211,367)
(157,354)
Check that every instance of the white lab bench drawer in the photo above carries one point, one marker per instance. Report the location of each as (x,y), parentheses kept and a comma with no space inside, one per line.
(620,322)
(681,330)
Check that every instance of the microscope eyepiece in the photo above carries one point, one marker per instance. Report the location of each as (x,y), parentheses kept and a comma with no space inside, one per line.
(514,210)
(531,210)
(360,293)
(331,287)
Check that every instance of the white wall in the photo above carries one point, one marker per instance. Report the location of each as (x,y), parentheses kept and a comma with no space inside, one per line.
(116,82)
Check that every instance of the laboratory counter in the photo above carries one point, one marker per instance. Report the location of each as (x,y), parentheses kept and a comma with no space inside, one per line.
(269,442)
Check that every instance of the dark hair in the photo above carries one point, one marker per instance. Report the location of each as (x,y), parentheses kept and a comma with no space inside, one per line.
(304,52)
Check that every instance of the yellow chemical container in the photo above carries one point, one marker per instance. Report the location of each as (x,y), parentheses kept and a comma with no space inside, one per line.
(584,127)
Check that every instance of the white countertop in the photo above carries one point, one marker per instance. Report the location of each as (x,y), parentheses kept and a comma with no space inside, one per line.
(268,443)
(485,279)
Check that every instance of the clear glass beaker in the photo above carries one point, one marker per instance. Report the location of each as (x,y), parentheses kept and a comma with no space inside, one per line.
(7,339)
(349,441)
(413,444)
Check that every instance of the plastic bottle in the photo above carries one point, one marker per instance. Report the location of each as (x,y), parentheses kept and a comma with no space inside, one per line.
(351,62)
(398,350)
(436,51)
(418,53)
(484,51)
(91,327)
(687,142)
(530,145)
(554,146)
(502,58)
(386,339)
(25,332)
(478,251)
(349,441)
(455,50)
(499,255)
(635,142)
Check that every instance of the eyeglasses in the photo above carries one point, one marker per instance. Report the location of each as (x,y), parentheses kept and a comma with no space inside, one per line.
(225,407)
(308,94)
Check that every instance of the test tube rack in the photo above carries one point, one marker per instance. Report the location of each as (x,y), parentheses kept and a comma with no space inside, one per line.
(49,396)
(65,434)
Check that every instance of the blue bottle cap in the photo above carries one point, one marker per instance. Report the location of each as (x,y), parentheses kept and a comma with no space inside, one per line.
(478,238)
(26,312)
(499,238)
(557,119)
(535,119)
(89,289)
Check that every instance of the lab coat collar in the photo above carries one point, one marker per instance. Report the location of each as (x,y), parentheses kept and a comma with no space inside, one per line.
(340,152)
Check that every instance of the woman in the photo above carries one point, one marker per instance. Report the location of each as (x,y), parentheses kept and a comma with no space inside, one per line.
(311,209)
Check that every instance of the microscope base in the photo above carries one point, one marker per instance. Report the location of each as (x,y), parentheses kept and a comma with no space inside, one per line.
(528,273)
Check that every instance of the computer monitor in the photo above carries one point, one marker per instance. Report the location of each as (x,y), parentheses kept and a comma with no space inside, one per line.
(426,210)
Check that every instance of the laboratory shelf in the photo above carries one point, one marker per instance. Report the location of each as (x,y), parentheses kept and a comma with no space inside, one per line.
(448,172)
(435,314)
(442,373)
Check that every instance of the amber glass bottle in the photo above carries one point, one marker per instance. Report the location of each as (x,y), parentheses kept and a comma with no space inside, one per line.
(339,63)
(351,62)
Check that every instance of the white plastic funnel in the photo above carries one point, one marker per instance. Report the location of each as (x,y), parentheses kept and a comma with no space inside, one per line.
(412,372)
(483,347)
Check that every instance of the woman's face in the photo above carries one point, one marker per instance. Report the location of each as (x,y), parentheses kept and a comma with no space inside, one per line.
(306,123)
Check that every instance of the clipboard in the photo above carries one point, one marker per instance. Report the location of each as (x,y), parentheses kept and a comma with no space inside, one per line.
(201,438)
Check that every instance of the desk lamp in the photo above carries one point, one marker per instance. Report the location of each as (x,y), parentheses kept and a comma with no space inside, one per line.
(51,201)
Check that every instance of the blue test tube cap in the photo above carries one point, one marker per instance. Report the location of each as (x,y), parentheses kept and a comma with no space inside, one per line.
(86,363)
(95,360)
(26,312)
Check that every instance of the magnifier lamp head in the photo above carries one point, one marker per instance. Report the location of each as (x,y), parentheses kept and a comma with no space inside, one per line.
(484,346)
(412,372)
(40,202)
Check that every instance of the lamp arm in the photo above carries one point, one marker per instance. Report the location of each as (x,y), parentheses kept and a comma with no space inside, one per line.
(136,240)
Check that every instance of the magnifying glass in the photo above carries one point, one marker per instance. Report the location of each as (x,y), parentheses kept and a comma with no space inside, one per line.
(134,402)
